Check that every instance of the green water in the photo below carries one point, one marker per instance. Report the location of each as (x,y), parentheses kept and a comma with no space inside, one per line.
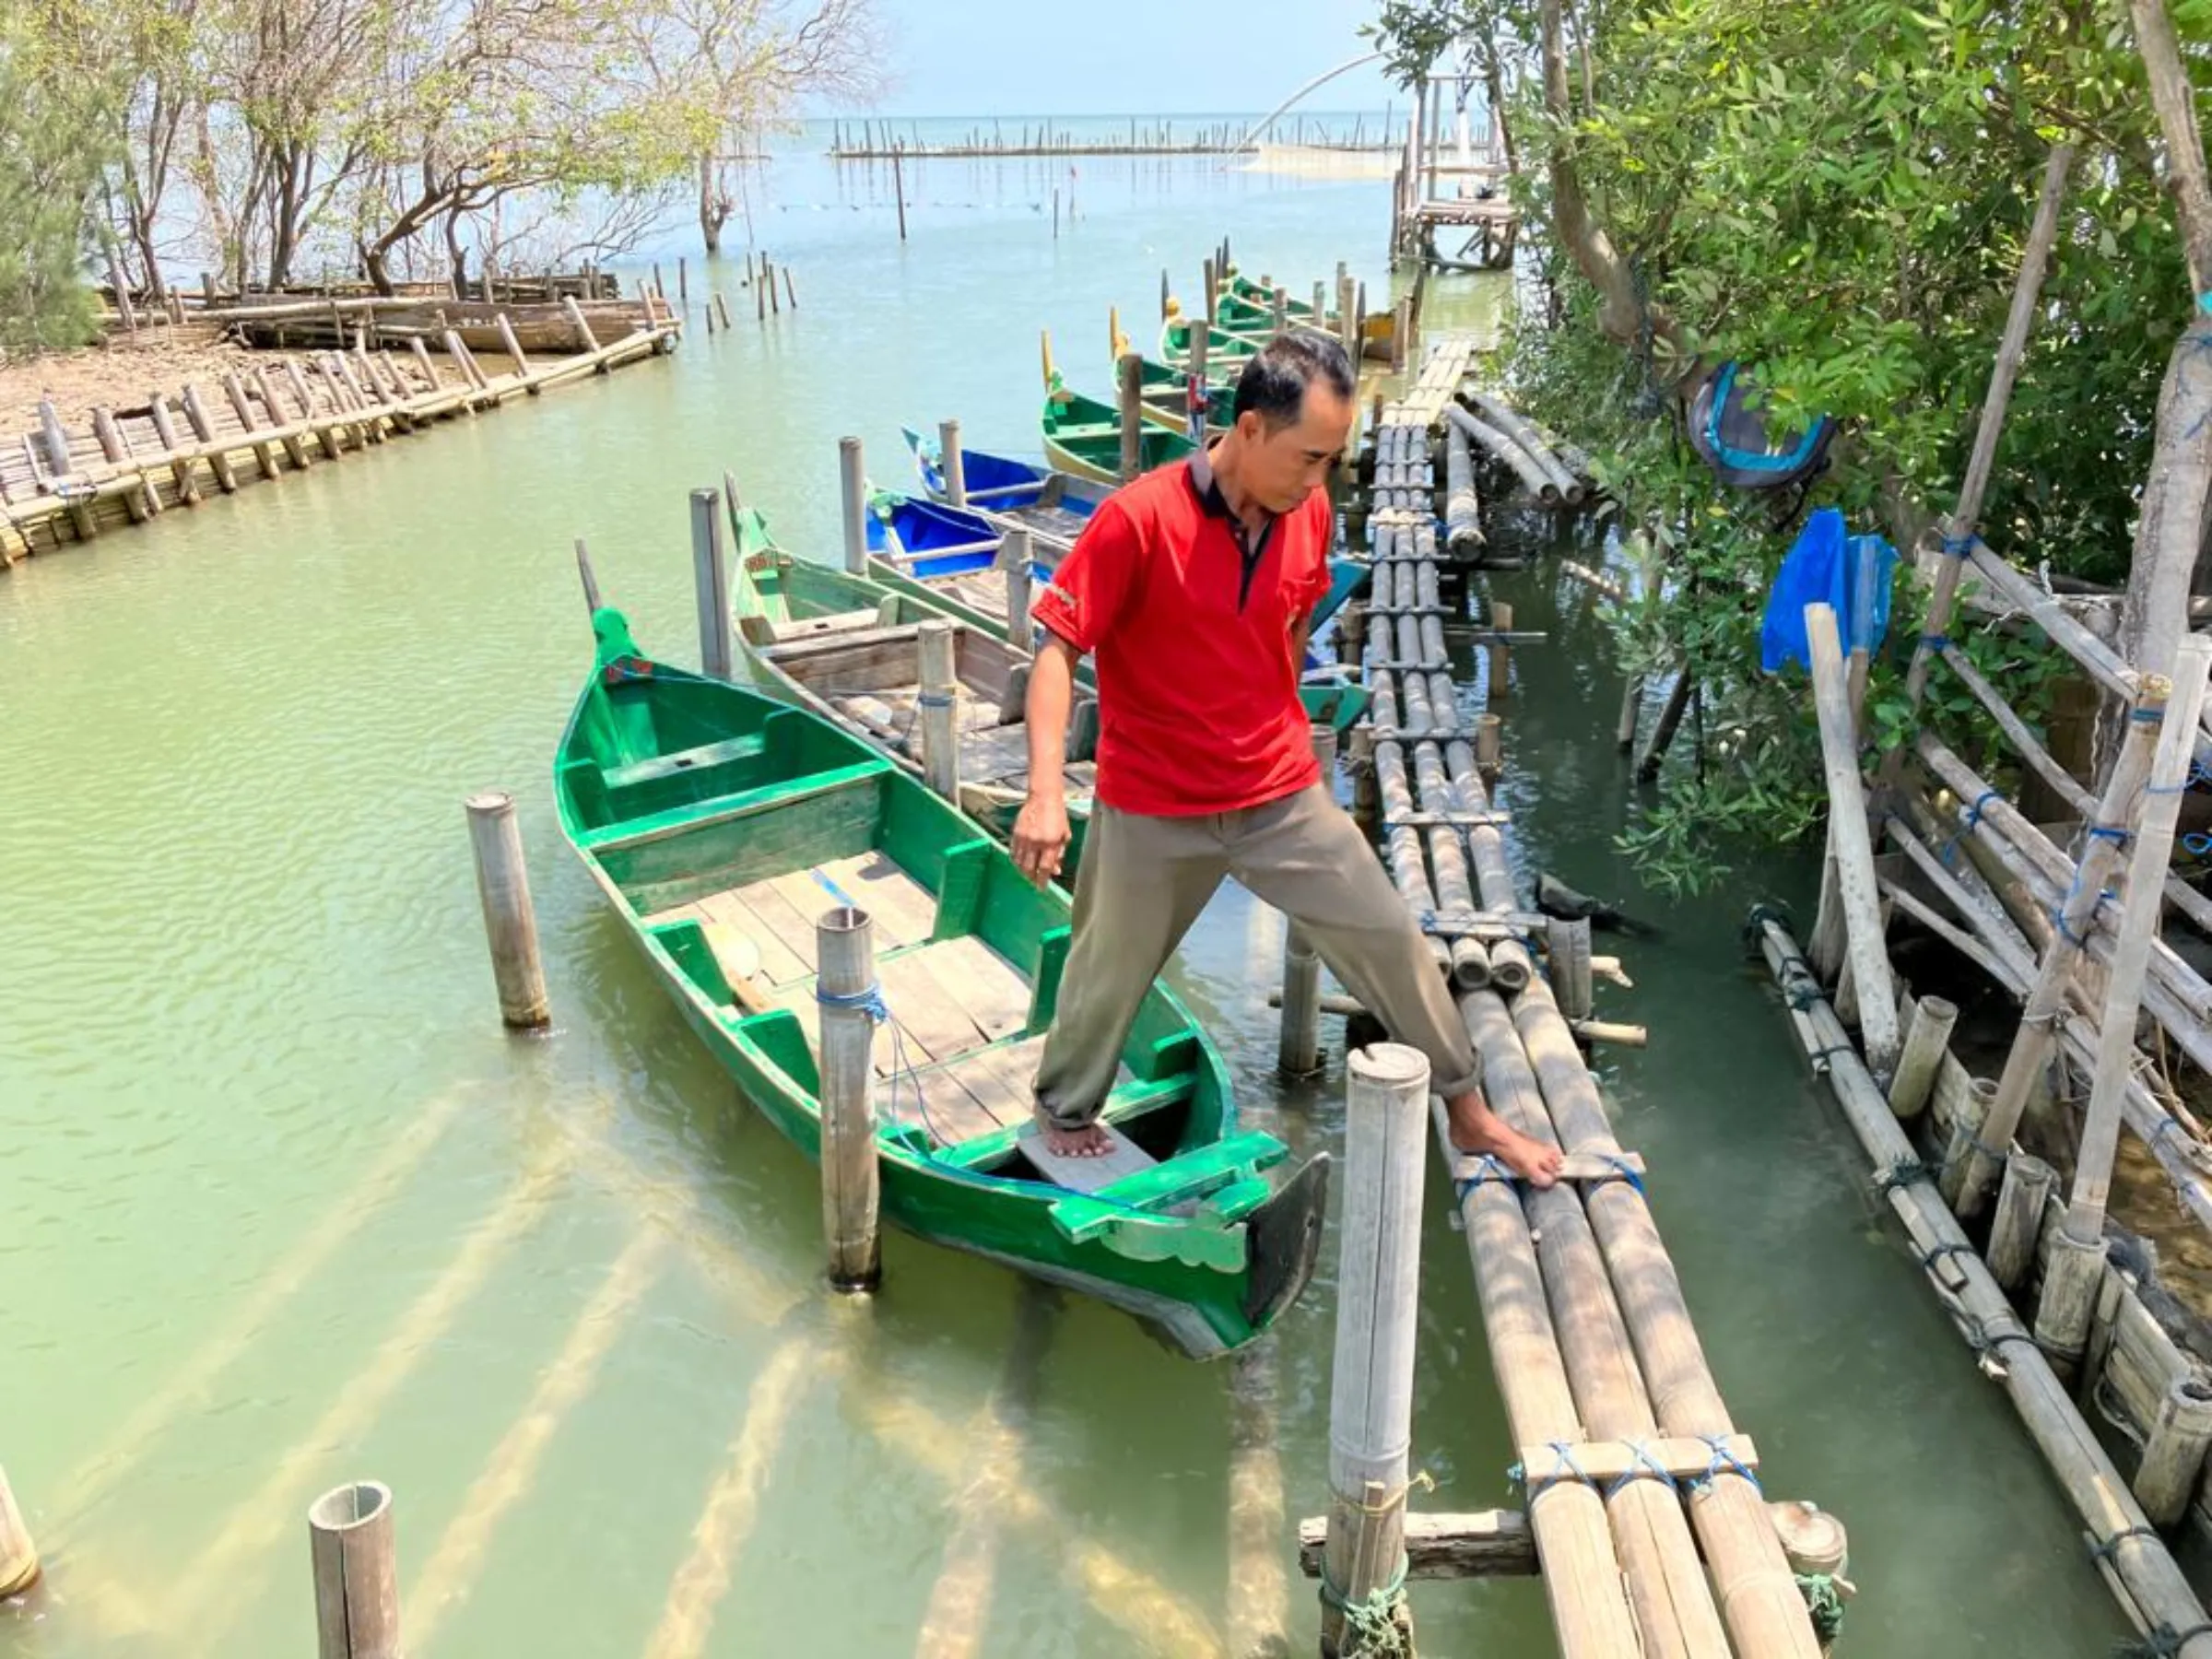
(282,1205)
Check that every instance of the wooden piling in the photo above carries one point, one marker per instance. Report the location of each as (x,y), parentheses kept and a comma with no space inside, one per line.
(355,1553)
(952,462)
(1927,1041)
(581,323)
(2019,1223)
(509,920)
(295,448)
(514,347)
(899,191)
(1970,1113)
(722,307)
(264,454)
(683,281)
(143,502)
(1298,1046)
(711,583)
(180,468)
(1132,414)
(55,440)
(845,944)
(1370,1394)
(790,294)
(1014,561)
(1490,743)
(2173,1452)
(1852,846)
(1500,659)
(18,1554)
(218,462)
(938,700)
(852,481)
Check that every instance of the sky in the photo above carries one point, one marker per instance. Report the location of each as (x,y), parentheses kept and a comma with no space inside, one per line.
(1027,57)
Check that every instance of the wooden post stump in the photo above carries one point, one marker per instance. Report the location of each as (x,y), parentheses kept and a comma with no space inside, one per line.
(711,583)
(143,502)
(1132,414)
(1490,743)
(1371,1396)
(844,946)
(509,920)
(18,1554)
(2072,1277)
(853,483)
(1966,1133)
(952,462)
(351,1542)
(1567,965)
(1501,664)
(940,701)
(514,347)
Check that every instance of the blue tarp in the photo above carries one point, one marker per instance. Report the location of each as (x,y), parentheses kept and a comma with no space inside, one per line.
(1817,571)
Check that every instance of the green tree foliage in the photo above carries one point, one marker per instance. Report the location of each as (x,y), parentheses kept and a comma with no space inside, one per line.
(51,155)
(1837,196)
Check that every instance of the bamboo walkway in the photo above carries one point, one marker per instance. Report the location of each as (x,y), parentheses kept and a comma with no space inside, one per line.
(1648,1523)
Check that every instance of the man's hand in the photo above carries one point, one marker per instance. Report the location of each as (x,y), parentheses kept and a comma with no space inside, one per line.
(1040,837)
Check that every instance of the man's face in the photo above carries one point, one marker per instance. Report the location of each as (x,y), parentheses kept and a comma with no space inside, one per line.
(1287,464)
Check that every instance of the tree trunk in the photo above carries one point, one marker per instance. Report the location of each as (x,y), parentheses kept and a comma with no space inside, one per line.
(713,204)
(1494,81)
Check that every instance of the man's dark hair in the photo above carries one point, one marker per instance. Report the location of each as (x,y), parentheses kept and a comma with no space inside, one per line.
(1274,383)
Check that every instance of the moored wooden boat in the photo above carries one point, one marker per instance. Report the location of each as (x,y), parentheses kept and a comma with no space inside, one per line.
(720,824)
(1083,437)
(1051,505)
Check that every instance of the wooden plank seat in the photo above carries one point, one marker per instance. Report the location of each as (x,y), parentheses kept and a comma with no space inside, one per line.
(747,747)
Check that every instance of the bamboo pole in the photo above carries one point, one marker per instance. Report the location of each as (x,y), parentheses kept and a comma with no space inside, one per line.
(939,701)
(1371,1394)
(2019,1223)
(509,920)
(1667,726)
(1462,509)
(1537,482)
(143,502)
(952,462)
(854,488)
(1497,655)
(514,347)
(1759,1600)
(264,456)
(1565,485)
(1015,561)
(2143,1572)
(1131,415)
(294,449)
(845,944)
(711,583)
(218,461)
(577,320)
(1958,526)
(2173,1452)
(1853,849)
(357,1572)
(1926,1042)
(2151,853)
(1454,885)
(2046,997)
(181,467)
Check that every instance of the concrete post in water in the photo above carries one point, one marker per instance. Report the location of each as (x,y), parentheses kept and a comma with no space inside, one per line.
(510,920)
(711,583)
(844,946)
(1013,559)
(1298,1050)
(1132,414)
(19,1556)
(853,480)
(2019,1219)
(1370,1394)
(352,1544)
(939,698)
(2174,1456)
(952,461)
(1926,1042)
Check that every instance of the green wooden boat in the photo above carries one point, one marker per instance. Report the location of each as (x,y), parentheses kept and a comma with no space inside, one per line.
(1083,437)
(849,648)
(1226,352)
(1166,392)
(721,824)
(1259,297)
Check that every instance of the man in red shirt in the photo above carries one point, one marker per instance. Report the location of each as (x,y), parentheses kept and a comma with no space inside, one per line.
(1194,586)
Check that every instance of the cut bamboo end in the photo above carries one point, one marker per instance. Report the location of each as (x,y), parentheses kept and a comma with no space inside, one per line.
(2173,1455)
(509,920)
(1926,1041)
(2072,1277)
(355,1552)
(1965,1138)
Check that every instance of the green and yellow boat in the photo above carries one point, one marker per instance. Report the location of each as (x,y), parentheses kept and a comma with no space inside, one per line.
(1083,438)
(721,824)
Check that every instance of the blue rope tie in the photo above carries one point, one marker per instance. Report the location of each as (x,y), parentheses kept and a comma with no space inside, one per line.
(2198,843)
(1723,1459)
(2147,716)
(2109,1550)
(1973,813)
(935,700)
(869,1001)
(2111,833)
(1487,1170)
(1626,1171)
(1934,643)
(1569,1469)
(1957,547)
(1644,1467)
(835,891)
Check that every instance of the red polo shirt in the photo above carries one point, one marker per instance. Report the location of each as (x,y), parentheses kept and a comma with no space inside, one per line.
(1199,705)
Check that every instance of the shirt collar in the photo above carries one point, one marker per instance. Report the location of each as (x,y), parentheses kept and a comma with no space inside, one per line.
(1208,489)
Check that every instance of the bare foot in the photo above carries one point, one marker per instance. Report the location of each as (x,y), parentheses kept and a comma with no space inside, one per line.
(1088,1141)
(1479,1131)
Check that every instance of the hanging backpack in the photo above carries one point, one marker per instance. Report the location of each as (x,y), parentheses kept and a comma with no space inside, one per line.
(1734,441)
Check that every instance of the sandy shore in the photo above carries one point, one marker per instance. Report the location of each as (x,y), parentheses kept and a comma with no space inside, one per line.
(1308,161)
